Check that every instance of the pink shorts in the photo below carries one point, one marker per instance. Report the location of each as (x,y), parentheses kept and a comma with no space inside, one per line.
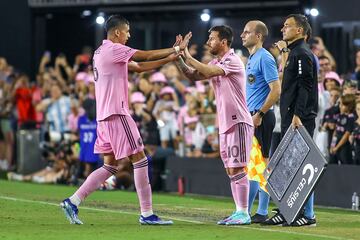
(235,145)
(118,134)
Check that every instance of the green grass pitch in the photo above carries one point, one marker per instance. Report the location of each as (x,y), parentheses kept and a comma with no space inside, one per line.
(31,211)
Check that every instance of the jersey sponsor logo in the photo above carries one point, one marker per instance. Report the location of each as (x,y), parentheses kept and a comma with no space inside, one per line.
(233,117)
(251,79)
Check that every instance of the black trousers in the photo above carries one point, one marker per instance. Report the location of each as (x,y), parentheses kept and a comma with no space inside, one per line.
(308,124)
(343,155)
(263,133)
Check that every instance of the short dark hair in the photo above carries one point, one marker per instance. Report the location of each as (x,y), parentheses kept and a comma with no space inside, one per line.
(349,100)
(225,32)
(301,21)
(309,34)
(323,57)
(115,21)
(262,29)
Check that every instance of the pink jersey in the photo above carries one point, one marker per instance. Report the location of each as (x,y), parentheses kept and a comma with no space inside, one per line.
(110,65)
(230,91)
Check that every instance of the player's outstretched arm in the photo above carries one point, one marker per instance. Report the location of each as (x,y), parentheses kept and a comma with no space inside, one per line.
(150,65)
(180,45)
(205,70)
(191,73)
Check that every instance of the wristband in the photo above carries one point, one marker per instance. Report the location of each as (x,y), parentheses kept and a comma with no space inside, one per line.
(177,49)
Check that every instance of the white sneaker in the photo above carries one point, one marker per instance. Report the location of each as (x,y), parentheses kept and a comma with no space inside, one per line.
(38,179)
(14,176)
(2,162)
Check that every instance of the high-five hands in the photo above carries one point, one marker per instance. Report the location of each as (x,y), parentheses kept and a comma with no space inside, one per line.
(182,44)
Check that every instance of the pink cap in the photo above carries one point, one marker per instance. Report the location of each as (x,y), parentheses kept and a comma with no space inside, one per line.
(167,90)
(86,77)
(158,77)
(189,119)
(200,87)
(333,75)
(137,97)
(81,76)
(189,90)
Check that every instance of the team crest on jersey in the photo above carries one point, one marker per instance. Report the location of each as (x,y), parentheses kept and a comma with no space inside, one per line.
(251,78)
(227,61)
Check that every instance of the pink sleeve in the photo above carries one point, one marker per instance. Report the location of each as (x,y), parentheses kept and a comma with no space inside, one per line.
(230,65)
(122,53)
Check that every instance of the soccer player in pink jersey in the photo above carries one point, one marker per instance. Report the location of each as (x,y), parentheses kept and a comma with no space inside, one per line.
(227,75)
(117,135)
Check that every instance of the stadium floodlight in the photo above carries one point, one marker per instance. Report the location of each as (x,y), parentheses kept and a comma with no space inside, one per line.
(86,13)
(205,16)
(314,12)
(100,19)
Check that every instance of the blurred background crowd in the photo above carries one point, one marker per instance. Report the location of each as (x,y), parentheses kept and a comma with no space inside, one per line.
(174,115)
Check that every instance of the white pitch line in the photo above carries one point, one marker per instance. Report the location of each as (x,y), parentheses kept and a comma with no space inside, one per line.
(95,209)
(297,233)
(174,218)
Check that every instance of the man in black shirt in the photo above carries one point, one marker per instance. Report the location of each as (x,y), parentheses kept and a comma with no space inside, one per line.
(299,96)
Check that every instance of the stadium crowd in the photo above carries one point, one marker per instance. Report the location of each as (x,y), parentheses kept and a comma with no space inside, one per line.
(173,115)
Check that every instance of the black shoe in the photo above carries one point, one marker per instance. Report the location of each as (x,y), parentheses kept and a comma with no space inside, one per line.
(276,220)
(302,221)
(258,218)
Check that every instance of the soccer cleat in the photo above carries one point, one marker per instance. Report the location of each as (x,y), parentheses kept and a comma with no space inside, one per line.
(258,218)
(154,220)
(239,218)
(276,220)
(224,220)
(302,221)
(71,211)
